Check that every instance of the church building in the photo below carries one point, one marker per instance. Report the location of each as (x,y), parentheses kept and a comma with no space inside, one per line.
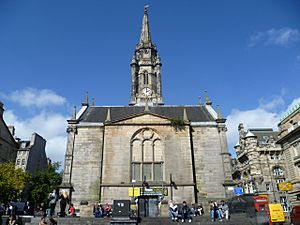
(147,149)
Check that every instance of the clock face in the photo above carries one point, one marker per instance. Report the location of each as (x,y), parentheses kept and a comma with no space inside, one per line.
(146,92)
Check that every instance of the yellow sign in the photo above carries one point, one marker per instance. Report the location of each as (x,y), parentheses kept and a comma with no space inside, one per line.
(134,192)
(276,213)
(285,186)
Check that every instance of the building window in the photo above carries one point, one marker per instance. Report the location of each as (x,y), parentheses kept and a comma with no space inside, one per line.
(268,187)
(146,77)
(18,162)
(23,162)
(275,157)
(146,156)
(283,202)
(277,171)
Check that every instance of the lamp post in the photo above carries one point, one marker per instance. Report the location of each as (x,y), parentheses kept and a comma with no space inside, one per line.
(172,183)
(133,196)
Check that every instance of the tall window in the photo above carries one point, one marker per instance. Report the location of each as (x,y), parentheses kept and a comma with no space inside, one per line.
(145,77)
(277,171)
(283,202)
(146,156)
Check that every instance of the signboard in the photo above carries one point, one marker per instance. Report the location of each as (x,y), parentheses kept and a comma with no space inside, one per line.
(137,191)
(276,213)
(285,186)
(134,192)
(238,191)
(154,191)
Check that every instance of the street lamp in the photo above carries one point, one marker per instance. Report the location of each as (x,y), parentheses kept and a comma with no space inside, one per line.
(133,182)
(172,183)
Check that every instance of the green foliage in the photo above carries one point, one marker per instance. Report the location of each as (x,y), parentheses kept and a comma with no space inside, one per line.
(12,182)
(177,123)
(45,181)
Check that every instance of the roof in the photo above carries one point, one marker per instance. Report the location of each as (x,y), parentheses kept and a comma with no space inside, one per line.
(98,114)
(264,134)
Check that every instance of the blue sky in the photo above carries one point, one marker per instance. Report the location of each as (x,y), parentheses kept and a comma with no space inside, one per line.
(246,54)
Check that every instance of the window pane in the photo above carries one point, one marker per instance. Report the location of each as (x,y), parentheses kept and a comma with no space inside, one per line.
(157,172)
(136,172)
(147,171)
(158,153)
(148,153)
(136,151)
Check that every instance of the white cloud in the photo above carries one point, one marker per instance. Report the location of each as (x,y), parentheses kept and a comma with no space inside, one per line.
(51,126)
(280,37)
(260,117)
(273,104)
(33,97)
(253,118)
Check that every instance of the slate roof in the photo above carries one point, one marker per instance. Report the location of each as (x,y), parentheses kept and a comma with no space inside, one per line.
(263,135)
(99,113)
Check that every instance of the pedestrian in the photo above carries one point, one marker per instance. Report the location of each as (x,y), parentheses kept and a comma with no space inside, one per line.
(173,211)
(43,220)
(11,220)
(185,212)
(107,209)
(64,200)
(53,196)
(72,211)
(225,210)
(215,212)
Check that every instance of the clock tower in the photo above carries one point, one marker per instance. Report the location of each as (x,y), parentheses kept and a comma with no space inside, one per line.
(146,69)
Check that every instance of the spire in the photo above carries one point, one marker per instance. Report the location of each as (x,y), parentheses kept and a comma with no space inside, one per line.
(207,102)
(74,113)
(86,100)
(185,117)
(108,116)
(145,33)
(219,112)
(93,102)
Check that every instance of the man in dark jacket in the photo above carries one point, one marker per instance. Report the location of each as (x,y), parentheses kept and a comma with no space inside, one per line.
(185,212)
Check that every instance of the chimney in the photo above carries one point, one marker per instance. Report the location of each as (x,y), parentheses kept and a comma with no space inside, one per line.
(12,130)
(1,110)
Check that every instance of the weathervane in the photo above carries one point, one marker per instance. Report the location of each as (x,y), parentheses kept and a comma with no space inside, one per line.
(146,8)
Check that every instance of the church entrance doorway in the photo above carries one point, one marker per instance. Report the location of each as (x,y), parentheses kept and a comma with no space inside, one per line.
(148,206)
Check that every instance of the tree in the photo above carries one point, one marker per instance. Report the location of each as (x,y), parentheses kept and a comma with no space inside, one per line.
(12,182)
(45,181)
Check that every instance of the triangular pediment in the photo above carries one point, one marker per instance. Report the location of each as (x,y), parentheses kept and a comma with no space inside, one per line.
(144,118)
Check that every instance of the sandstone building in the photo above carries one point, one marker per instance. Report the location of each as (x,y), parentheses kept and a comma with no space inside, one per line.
(289,139)
(259,165)
(8,145)
(148,145)
(31,156)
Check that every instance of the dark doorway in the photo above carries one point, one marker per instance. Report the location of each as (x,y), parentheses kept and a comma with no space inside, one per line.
(148,206)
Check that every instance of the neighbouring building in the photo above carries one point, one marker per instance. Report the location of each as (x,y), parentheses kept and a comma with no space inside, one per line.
(289,139)
(166,151)
(259,165)
(31,155)
(8,145)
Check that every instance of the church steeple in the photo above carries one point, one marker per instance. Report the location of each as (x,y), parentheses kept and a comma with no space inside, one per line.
(146,69)
(145,33)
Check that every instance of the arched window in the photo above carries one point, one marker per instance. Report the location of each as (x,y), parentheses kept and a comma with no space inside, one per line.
(277,171)
(147,156)
(146,77)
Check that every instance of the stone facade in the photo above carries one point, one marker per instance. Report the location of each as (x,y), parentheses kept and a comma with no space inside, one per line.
(259,165)
(31,156)
(179,148)
(8,145)
(289,139)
